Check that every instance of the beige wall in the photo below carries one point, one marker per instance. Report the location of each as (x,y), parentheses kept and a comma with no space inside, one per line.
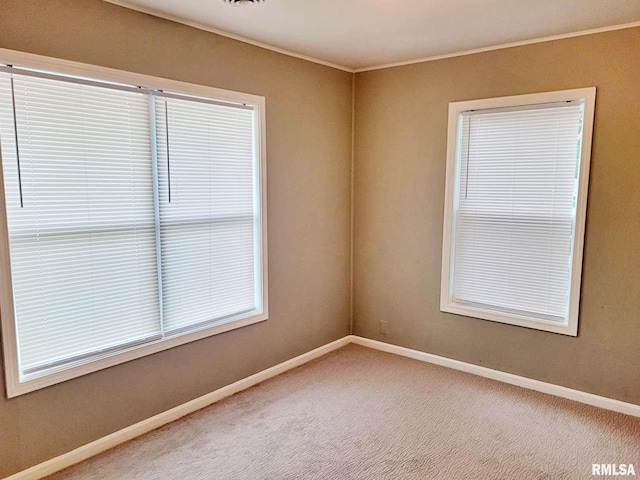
(308,156)
(401,129)
(401,116)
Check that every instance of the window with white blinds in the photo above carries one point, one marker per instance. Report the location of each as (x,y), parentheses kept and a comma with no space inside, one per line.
(207,211)
(516,204)
(80,218)
(133,217)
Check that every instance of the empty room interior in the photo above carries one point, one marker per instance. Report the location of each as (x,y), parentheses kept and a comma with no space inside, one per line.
(284,239)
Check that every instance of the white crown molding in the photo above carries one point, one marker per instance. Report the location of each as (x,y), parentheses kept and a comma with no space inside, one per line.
(500,47)
(200,26)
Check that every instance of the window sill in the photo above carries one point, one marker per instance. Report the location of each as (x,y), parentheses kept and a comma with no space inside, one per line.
(568,328)
(30,383)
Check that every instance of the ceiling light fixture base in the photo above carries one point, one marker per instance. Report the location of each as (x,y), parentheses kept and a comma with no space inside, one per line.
(242,2)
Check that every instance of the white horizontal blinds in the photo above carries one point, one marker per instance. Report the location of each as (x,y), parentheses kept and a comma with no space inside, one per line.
(206,165)
(82,244)
(515,208)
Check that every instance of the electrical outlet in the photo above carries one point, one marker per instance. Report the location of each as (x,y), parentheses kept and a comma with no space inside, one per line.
(383,327)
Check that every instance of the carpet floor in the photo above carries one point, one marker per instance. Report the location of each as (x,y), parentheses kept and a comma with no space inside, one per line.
(358,413)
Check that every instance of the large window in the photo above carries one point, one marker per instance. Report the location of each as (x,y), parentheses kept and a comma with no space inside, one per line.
(517,176)
(134,218)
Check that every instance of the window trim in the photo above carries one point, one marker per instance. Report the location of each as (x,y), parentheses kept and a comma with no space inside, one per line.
(455,111)
(15,387)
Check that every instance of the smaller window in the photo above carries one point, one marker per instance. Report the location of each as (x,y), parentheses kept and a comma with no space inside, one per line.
(515,207)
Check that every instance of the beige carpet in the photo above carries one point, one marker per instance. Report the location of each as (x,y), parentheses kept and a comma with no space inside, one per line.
(361,414)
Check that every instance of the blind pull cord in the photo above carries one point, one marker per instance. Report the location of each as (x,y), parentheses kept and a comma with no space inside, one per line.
(166,129)
(466,180)
(15,132)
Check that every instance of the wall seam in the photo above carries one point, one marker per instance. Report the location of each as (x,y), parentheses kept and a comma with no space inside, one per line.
(352,196)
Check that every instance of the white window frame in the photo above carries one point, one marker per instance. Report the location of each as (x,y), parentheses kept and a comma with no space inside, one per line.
(16,386)
(447,303)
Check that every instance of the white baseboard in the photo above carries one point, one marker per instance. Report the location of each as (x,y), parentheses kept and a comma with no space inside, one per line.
(544,387)
(105,443)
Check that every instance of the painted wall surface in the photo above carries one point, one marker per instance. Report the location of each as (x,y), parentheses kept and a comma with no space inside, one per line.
(400,143)
(308,157)
(400,136)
